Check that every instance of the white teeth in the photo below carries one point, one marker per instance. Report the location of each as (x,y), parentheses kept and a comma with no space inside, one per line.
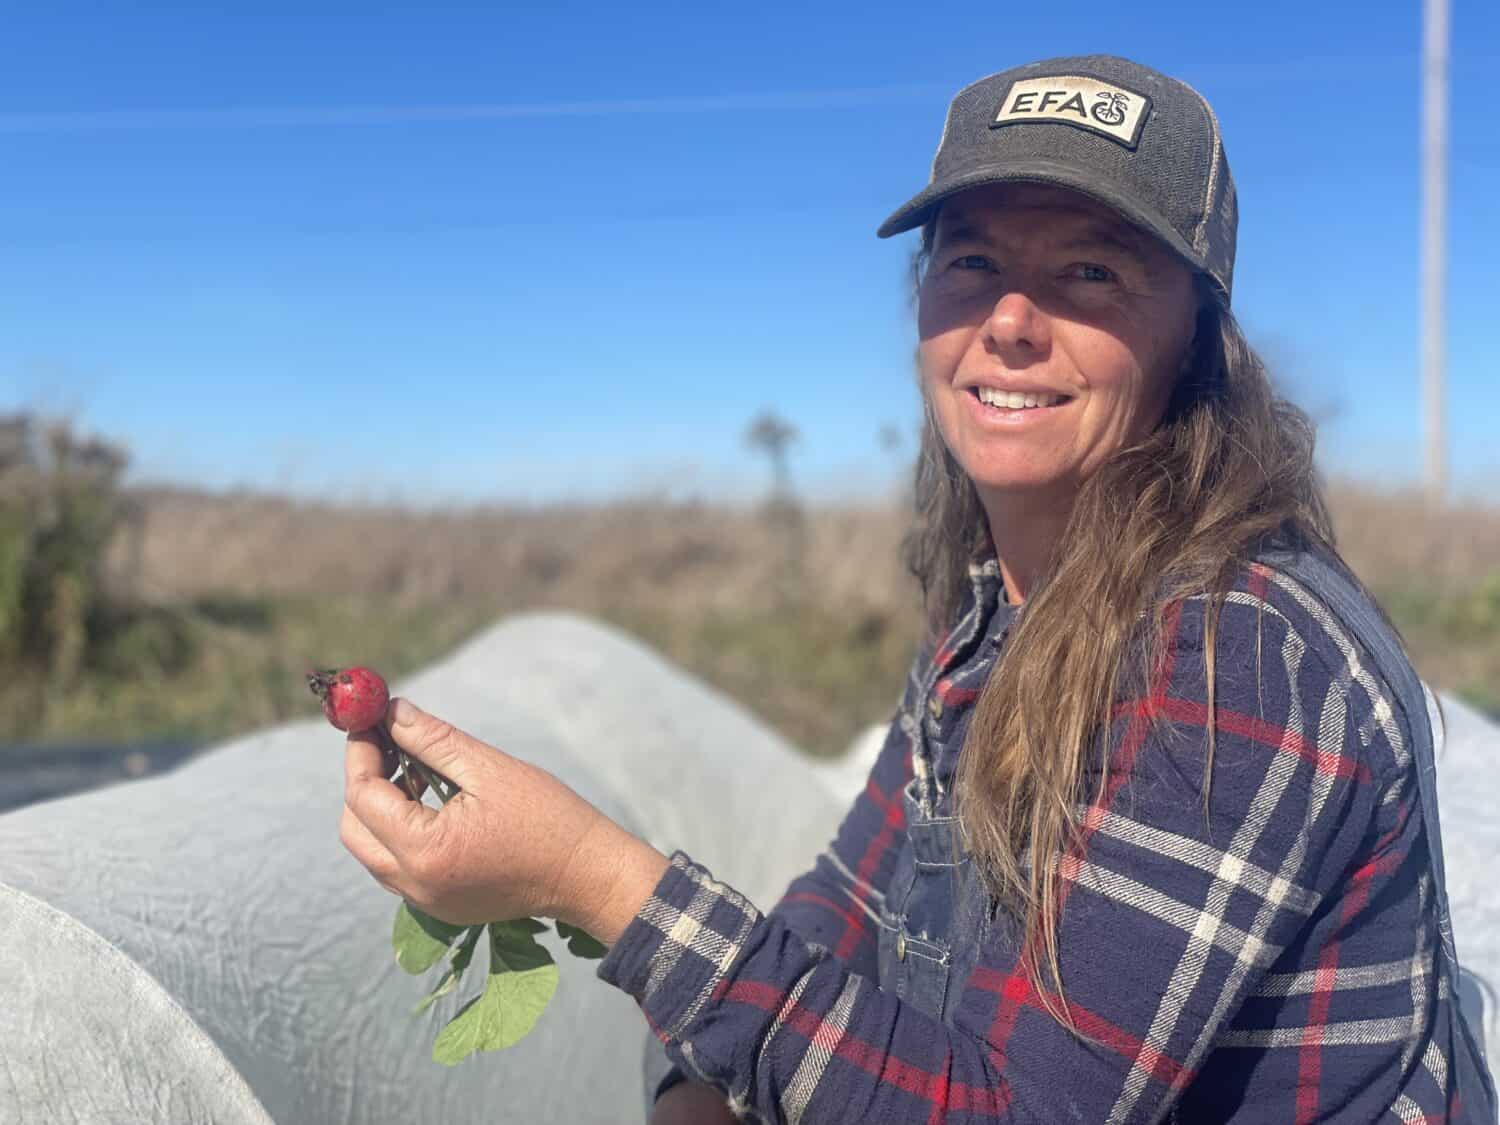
(1015,400)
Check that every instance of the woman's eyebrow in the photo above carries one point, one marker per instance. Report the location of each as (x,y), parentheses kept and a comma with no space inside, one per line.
(1102,237)
(962,232)
(1121,242)
(1087,239)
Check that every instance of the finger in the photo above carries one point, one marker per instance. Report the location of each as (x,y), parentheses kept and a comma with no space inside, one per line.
(370,852)
(409,781)
(390,757)
(391,816)
(365,758)
(436,743)
(383,763)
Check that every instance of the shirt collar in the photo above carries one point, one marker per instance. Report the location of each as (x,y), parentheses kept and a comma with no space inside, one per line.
(984,577)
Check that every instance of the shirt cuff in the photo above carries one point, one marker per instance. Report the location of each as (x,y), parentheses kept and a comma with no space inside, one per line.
(678,950)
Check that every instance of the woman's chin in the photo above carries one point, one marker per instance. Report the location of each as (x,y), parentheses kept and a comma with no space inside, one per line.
(1037,501)
(1019,482)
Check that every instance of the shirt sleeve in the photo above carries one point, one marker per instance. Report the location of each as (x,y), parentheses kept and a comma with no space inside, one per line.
(1172,915)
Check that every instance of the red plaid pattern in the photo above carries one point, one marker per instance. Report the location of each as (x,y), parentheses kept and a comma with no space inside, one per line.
(1269,960)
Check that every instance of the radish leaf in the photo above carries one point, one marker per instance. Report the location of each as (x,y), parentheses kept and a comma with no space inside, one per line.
(458,961)
(580,942)
(521,926)
(420,940)
(522,979)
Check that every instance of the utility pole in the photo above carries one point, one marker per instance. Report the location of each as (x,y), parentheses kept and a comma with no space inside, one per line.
(1434,256)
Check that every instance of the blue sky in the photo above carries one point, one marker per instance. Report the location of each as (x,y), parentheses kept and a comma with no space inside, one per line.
(451,252)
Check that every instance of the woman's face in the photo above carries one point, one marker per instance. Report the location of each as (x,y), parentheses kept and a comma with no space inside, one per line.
(1032,288)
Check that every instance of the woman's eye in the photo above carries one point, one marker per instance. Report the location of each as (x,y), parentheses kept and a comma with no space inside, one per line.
(1091,272)
(971,262)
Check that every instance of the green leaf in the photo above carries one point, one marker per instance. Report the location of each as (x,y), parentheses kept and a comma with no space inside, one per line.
(420,940)
(521,982)
(522,926)
(580,942)
(458,961)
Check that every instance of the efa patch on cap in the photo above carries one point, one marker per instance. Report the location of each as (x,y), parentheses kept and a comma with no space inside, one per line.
(1085,103)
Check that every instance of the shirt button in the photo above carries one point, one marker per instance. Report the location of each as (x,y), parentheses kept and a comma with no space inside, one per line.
(934,706)
(901,945)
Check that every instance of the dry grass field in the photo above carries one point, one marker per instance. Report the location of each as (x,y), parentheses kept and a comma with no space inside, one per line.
(650,555)
(808,619)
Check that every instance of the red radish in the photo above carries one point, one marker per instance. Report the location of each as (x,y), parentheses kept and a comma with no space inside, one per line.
(353,698)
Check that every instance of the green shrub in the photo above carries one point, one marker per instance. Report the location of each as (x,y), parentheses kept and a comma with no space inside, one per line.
(59,507)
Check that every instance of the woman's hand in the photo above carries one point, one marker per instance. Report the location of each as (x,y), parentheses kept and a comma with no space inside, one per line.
(692,1103)
(515,842)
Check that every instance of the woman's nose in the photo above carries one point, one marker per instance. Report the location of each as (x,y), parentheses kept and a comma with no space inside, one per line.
(1017,326)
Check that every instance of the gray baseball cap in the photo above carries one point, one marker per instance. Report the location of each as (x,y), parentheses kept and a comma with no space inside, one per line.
(1146,145)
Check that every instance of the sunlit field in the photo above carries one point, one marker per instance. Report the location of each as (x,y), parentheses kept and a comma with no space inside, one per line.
(182,615)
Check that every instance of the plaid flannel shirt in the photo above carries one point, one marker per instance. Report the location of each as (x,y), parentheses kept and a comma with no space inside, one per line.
(1271,959)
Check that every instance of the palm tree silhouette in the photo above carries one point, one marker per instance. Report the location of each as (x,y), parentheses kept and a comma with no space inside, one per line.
(773,434)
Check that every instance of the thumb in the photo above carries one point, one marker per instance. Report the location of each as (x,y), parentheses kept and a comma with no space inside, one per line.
(434,742)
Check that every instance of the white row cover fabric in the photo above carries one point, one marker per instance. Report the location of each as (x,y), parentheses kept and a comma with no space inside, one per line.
(199,947)
(1468,772)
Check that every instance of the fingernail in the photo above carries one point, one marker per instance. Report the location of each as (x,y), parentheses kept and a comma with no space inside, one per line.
(403,714)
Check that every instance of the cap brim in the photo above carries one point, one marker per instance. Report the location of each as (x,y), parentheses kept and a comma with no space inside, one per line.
(921,207)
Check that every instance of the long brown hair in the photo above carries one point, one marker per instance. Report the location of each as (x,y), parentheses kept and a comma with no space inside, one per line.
(1169,517)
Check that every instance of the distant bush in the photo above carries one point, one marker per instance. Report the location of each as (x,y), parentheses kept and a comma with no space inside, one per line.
(60,504)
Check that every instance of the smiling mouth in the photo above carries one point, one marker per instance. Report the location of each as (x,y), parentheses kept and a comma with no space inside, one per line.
(1016,400)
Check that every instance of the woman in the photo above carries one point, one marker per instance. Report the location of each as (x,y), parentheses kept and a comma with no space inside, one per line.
(1184,863)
